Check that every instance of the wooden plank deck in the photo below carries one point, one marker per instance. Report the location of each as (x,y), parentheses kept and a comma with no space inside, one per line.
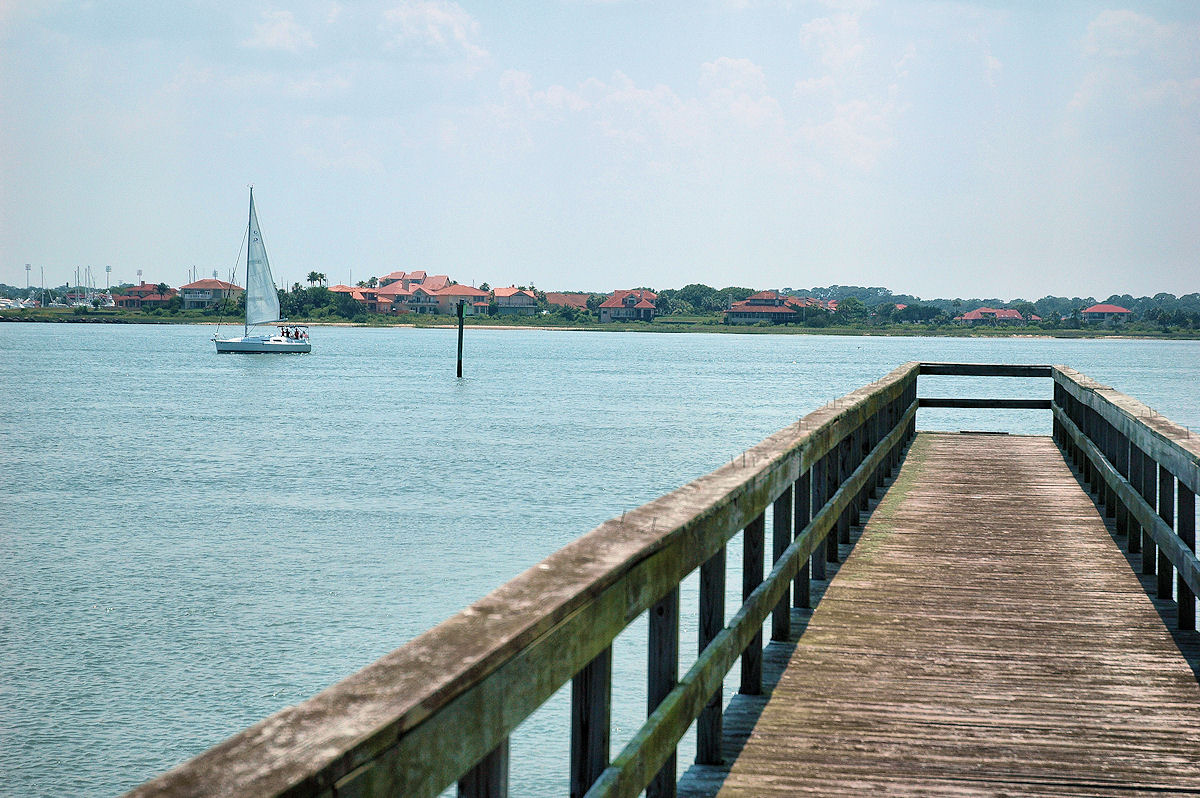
(984,637)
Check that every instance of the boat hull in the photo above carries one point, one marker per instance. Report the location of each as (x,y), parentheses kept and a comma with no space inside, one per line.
(262,345)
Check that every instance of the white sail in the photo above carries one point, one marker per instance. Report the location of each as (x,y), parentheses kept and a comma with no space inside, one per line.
(262,301)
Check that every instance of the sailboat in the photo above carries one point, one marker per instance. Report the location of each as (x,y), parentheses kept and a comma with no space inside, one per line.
(262,305)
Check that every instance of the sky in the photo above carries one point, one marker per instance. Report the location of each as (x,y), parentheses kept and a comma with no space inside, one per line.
(973,149)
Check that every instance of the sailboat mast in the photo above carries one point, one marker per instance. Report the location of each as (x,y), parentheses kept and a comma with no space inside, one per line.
(249,232)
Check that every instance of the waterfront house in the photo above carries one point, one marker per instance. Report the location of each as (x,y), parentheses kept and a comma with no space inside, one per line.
(472,298)
(1106,312)
(135,297)
(422,300)
(769,306)
(393,297)
(629,305)
(567,300)
(409,280)
(994,316)
(513,301)
(207,292)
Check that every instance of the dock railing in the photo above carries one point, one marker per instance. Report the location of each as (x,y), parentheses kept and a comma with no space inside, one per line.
(440,709)
(1144,471)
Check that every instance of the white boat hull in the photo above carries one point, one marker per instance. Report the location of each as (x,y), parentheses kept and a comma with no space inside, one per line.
(262,344)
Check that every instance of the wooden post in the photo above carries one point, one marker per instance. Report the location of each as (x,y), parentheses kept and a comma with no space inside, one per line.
(819,556)
(1148,476)
(1125,524)
(662,676)
(802,585)
(1185,526)
(1133,473)
(1110,495)
(1166,511)
(591,713)
(752,575)
(849,516)
(781,537)
(461,303)
(489,778)
(712,621)
(832,473)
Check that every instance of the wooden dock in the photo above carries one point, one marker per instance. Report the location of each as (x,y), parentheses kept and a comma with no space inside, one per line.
(985,636)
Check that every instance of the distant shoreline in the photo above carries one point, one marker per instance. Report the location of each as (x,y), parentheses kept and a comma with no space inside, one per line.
(659,327)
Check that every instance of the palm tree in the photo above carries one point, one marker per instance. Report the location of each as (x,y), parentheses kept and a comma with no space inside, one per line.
(315,277)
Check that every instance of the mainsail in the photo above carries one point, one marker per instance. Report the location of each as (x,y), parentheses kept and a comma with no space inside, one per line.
(262,302)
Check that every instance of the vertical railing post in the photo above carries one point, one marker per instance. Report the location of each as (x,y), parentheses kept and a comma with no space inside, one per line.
(819,557)
(802,585)
(489,778)
(849,514)
(1110,448)
(753,539)
(712,621)
(1133,543)
(591,714)
(831,472)
(1166,511)
(781,538)
(1185,527)
(1147,476)
(662,676)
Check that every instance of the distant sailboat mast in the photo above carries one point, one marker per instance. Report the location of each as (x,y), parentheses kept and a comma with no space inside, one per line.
(249,236)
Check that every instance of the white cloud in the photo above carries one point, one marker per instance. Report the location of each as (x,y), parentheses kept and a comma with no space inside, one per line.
(435,27)
(278,30)
(1135,62)
(1124,34)
(837,39)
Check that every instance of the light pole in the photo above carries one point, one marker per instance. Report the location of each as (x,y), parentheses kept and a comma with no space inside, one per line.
(28,268)
(107,272)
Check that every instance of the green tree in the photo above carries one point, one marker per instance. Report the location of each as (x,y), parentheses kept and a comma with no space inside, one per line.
(851,309)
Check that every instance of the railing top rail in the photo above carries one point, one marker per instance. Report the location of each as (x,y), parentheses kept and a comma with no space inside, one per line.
(985,369)
(1171,445)
(304,749)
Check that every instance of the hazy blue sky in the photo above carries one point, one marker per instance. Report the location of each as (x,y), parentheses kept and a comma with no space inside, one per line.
(940,148)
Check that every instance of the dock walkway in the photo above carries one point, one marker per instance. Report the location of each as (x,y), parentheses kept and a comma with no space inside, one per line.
(985,636)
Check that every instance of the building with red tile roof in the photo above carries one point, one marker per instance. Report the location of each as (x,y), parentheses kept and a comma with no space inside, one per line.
(513,301)
(449,296)
(629,305)
(208,292)
(567,300)
(1105,311)
(769,306)
(994,316)
(145,295)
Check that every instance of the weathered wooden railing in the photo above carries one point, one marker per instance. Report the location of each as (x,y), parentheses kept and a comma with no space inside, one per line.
(441,708)
(1144,471)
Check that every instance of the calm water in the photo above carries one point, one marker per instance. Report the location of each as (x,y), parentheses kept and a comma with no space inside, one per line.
(192,541)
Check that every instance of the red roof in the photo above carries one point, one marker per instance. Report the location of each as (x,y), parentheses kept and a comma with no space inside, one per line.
(567,300)
(1106,308)
(459,290)
(992,313)
(210,283)
(766,295)
(512,290)
(617,300)
(746,307)
(393,289)
(434,281)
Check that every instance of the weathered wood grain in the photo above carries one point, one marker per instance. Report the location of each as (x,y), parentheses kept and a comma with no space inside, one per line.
(983,404)
(398,725)
(985,370)
(1143,516)
(984,637)
(1170,445)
